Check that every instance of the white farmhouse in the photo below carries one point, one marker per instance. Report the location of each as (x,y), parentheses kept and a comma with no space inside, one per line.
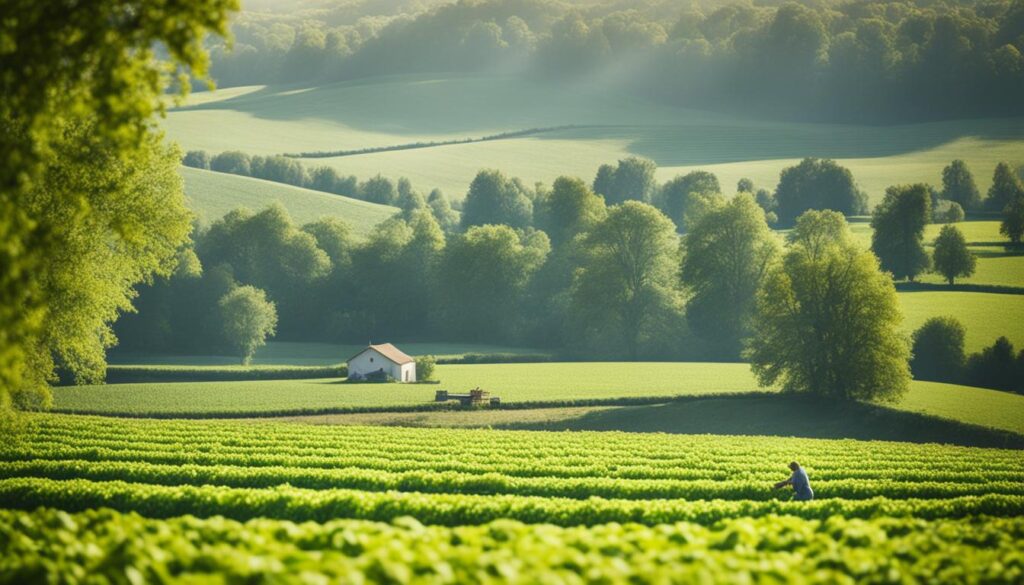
(382,357)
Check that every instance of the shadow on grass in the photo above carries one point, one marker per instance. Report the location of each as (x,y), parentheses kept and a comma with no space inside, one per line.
(785,416)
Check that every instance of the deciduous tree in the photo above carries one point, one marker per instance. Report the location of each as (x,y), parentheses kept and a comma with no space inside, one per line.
(728,252)
(67,64)
(826,322)
(898,237)
(1012,225)
(248,319)
(629,275)
(1006,187)
(568,209)
(817,184)
(495,199)
(938,350)
(951,258)
(958,186)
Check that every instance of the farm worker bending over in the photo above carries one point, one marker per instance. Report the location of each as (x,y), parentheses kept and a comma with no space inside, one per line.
(801,485)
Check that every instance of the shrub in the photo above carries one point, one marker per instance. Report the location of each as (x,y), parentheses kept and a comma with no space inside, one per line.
(945,211)
(425,368)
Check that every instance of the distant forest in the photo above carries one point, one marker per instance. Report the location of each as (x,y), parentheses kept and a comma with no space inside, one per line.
(858,61)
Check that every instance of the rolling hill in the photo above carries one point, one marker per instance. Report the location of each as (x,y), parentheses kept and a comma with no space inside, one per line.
(401,110)
(212,194)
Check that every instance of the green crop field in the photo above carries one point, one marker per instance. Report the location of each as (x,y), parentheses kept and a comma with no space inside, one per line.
(563,383)
(409,109)
(444,505)
(290,353)
(986,316)
(212,195)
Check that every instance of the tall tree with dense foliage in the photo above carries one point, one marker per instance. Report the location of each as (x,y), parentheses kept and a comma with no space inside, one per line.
(1012,224)
(267,250)
(958,186)
(496,199)
(248,319)
(632,179)
(482,277)
(826,322)
(898,230)
(817,184)
(68,65)
(629,275)
(938,350)
(569,208)
(728,252)
(951,258)
(677,194)
(1006,187)
(439,205)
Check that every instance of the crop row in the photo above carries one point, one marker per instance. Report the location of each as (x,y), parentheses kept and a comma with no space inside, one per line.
(472,443)
(285,502)
(559,455)
(821,466)
(489,483)
(53,546)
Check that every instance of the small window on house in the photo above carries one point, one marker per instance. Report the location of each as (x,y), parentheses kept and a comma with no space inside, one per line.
(371,360)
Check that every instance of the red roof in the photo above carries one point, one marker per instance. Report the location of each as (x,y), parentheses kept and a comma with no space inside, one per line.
(387,350)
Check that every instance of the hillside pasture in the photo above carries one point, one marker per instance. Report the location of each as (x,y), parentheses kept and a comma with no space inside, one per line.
(985,316)
(212,195)
(400,110)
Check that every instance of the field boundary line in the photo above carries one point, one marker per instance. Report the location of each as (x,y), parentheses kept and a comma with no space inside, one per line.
(452,142)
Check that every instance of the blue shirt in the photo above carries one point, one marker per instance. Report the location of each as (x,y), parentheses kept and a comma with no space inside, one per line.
(802,485)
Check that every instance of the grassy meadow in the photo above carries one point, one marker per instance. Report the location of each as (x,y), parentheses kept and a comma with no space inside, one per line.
(212,195)
(400,110)
(986,316)
(513,383)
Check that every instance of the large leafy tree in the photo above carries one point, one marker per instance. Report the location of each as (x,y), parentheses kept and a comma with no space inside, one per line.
(629,275)
(678,194)
(482,277)
(951,258)
(90,273)
(268,251)
(67,63)
(632,179)
(568,209)
(938,350)
(958,185)
(817,184)
(1006,187)
(898,236)
(826,322)
(728,252)
(1012,225)
(496,199)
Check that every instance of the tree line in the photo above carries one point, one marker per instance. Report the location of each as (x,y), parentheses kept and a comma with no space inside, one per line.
(938,350)
(851,61)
